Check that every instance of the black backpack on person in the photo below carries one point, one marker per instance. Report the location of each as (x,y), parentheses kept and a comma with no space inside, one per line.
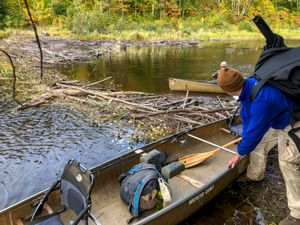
(279,66)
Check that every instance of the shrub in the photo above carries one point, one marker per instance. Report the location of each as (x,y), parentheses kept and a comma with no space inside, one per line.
(187,31)
(3,34)
(215,22)
(60,9)
(120,25)
(150,26)
(245,25)
(83,22)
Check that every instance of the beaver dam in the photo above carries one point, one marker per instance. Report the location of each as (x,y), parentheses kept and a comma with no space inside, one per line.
(158,114)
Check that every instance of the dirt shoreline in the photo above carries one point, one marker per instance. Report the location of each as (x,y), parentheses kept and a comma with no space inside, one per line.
(58,50)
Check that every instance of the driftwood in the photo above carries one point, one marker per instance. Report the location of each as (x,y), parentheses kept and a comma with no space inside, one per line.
(222,105)
(99,94)
(98,82)
(164,112)
(186,98)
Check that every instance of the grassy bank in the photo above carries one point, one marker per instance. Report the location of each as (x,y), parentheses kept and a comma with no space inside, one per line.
(5,33)
(144,35)
(29,84)
(170,34)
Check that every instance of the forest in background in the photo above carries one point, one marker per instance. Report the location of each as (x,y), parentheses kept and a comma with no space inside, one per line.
(143,19)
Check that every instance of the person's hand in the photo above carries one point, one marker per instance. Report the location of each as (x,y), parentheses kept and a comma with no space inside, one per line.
(232,162)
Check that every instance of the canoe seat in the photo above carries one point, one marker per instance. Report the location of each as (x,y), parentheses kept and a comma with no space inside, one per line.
(75,186)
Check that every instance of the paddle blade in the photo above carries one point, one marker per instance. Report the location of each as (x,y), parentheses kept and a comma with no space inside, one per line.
(195,159)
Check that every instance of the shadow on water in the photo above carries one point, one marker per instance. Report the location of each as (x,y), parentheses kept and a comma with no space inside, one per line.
(36,143)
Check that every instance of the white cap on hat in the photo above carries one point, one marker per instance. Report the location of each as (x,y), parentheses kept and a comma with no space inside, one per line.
(223,64)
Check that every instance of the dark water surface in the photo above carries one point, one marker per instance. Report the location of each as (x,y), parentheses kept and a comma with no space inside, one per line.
(36,143)
(148,69)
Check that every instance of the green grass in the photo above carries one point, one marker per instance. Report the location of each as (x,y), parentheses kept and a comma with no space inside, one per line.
(5,33)
(180,32)
(171,34)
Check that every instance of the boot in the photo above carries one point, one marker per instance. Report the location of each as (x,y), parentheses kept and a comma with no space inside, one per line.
(290,221)
(246,180)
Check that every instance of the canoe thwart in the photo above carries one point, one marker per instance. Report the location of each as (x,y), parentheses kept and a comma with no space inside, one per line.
(213,144)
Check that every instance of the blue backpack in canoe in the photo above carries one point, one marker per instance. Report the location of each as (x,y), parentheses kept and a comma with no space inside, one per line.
(139,188)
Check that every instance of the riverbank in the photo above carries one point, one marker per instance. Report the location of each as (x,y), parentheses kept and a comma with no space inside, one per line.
(153,36)
(62,50)
(174,34)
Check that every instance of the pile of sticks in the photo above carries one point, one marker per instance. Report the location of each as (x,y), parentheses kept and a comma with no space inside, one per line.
(187,110)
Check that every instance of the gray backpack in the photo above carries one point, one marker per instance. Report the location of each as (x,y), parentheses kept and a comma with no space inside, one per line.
(138,183)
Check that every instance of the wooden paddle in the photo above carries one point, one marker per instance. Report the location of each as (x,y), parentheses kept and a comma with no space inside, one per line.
(197,158)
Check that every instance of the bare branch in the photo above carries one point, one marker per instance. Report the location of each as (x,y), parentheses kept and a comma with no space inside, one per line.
(36,37)
(13,75)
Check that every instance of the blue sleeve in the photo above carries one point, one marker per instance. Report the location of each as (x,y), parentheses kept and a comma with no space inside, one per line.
(245,121)
(261,118)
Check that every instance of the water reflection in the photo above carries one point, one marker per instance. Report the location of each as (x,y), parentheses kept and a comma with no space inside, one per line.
(149,68)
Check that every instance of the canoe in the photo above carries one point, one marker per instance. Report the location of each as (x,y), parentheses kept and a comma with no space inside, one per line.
(195,86)
(213,175)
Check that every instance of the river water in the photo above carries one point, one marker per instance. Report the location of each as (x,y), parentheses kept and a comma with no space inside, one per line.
(148,69)
(36,142)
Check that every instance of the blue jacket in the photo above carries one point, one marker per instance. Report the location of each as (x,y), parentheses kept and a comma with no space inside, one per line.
(270,108)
